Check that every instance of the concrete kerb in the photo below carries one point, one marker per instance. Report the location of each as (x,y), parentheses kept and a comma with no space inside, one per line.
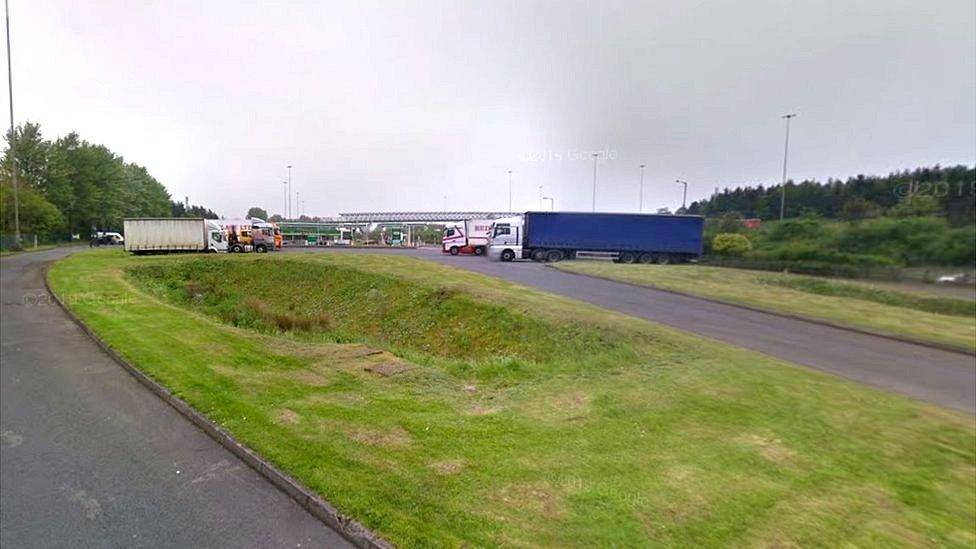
(829,324)
(353,531)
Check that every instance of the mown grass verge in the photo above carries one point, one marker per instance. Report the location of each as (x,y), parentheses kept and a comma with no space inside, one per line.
(627,434)
(915,315)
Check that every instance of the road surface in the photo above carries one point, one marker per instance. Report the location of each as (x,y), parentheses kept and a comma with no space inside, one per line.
(936,376)
(90,458)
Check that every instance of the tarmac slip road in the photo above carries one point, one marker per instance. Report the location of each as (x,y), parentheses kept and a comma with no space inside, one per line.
(937,376)
(91,458)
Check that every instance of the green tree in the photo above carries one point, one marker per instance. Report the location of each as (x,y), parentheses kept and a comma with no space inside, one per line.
(856,209)
(260,213)
(915,206)
(732,244)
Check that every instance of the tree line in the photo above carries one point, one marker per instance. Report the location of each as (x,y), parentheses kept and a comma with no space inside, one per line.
(936,190)
(70,186)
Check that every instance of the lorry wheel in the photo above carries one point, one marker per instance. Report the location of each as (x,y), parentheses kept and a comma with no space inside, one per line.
(554,256)
(480,250)
(261,248)
(646,258)
(236,248)
(627,257)
(663,259)
(508,255)
(454,250)
(538,255)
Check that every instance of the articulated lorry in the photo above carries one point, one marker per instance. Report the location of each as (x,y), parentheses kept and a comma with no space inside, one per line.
(154,235)
(631,238)
(470,238)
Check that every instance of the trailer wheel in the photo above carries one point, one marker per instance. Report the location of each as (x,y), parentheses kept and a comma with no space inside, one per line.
(508,255)
(646,258)
(554,256)
(538,254)
(627,257)
(454,250)
(663,259)
(261,249)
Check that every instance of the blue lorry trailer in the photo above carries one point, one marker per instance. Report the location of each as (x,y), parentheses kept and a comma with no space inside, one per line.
(645,238)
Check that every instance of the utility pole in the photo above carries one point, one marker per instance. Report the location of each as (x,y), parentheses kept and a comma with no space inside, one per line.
(289,191)
(13,158)
(509,190)
(595,156)
(641,207)
(786,152)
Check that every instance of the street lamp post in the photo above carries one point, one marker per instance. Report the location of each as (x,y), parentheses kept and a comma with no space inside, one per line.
(595,156)
(684,196)
(284,188)
(289,191)
(13,158)
(540,197)
(298,203)
(509,190)
(641,207)
(552,203)
(786,152)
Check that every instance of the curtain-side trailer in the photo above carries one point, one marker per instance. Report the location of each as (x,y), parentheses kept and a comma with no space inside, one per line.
(554,236)
(153,235)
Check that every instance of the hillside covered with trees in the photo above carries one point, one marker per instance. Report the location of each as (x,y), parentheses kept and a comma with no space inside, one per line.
(71,186)
(945,191)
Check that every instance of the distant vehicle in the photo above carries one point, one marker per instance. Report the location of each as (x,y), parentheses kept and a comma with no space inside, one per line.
(470,238)
(633,238)
(102,238)
(952,278)
(248,235)
(155,235)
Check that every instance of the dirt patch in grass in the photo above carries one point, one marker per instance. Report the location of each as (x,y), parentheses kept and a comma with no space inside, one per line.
(287,417)
(376,437)
(769,447)
(449,467)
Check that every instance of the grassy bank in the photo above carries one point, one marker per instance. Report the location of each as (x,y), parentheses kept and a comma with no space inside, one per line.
(444,408)
(918,315)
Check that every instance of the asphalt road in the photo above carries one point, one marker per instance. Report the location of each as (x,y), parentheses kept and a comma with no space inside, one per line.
(940,377)
(90,458)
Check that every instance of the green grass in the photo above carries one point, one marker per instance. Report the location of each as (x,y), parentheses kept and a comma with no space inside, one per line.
(621,432)
(917,315)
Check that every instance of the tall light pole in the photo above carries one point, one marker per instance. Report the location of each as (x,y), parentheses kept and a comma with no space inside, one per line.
(284,188)
(509,190)
(289,191)
(684,196)
(786,152)
(540,197)
(13,158)
(552,203)
(641,207)
(595,156)
(298,203)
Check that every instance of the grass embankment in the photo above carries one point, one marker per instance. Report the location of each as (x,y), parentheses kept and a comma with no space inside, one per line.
(917,315)
(444,408)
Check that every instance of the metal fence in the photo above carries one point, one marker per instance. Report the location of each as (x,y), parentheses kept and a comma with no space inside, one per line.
(28,241)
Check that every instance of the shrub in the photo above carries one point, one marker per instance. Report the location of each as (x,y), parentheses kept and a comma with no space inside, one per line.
(732,244)
(804,228)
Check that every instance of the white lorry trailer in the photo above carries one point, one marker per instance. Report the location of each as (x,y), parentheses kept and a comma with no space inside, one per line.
(470,238)
(155,235)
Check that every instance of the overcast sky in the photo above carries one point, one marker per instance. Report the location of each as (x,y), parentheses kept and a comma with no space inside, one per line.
(394,105)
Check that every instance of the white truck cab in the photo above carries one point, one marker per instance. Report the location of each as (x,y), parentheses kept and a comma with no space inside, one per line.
(215,237)
(505,240)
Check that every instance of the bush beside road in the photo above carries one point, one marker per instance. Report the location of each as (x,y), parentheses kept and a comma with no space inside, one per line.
(443,407)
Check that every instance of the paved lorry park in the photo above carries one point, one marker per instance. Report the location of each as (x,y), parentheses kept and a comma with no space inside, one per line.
(91,458)
(941,377)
